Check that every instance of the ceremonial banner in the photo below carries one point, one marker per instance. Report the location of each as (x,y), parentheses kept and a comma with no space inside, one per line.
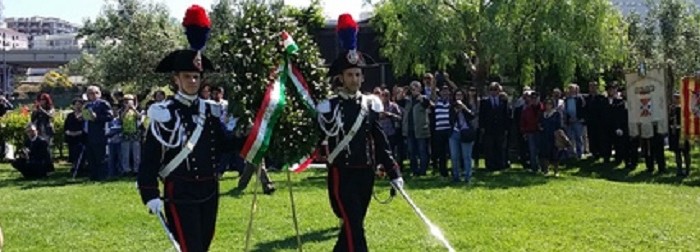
(647,104)
(690,108)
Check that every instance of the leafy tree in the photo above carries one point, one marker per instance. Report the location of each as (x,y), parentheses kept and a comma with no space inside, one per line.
(250,49)
(56,80)
(222,20)
(667,37)
(130,38)
(517,39)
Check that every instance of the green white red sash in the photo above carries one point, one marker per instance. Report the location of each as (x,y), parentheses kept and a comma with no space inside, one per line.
(270,110)
(258,141)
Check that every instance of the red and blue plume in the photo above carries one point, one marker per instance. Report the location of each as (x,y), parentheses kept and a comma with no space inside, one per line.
(347,32)
(197,27)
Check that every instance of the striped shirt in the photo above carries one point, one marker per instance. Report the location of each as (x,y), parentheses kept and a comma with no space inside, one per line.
(442,115)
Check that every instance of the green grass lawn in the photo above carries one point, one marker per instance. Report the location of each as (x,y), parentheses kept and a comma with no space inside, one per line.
(595,208)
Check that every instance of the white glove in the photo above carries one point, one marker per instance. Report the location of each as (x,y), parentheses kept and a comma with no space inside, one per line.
(398,182)
(618,132)
(154,205)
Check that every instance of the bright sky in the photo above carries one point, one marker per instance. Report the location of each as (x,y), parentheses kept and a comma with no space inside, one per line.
(76,10)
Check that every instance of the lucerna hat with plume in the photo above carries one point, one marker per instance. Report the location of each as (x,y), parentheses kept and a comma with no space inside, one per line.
(197,27)
(347,30)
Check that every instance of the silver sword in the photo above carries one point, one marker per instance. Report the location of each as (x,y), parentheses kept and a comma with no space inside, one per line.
(161,218)
(434,229)
(163,223)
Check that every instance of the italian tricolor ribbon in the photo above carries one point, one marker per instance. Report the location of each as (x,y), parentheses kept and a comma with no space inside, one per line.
(257,143)
(304,163)
(272,106)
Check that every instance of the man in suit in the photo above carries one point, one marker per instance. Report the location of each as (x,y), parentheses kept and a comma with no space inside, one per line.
(595,102)
(494,122)
(97,113)
(34,161)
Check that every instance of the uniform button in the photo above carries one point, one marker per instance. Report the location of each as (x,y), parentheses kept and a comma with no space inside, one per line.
(213,158)
(213,149)
(196,177)
(212,132)
(195,170)
(193,159)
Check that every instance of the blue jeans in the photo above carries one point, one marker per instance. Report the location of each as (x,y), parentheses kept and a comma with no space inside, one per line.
(113,161)
(461,155)
(418,149)
(575,132)
(532,141)
(130,153)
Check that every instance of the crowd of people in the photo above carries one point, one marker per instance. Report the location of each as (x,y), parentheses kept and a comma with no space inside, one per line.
(104,136)
(424,124)
(433,120)
(185,141)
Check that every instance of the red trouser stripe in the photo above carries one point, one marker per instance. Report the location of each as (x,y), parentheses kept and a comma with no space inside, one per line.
(346,221)
(176,221)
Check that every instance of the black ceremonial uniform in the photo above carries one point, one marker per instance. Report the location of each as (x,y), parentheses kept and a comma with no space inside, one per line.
(351,172)
(182,145)
(191,191)
(681,148)
(595,104)
(351,175)
(614,118)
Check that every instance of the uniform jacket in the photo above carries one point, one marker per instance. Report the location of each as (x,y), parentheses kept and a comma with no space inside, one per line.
(199,168)
(616,116)
(595,105)
(369,146)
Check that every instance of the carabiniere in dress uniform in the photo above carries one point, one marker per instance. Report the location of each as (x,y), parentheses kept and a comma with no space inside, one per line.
(356,142)
(182,145)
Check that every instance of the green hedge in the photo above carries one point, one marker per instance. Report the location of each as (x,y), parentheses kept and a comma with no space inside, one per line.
(12,127)
(13,123)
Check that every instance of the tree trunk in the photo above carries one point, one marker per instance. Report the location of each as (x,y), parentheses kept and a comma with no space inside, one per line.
(670,81)
(480,76)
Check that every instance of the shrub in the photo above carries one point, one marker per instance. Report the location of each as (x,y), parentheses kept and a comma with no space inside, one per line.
(12,127)
(13,123)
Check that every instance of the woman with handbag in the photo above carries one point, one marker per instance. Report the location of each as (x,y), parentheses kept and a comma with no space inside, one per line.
(462,137)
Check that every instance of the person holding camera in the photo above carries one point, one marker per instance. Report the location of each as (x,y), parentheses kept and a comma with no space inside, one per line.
(462,136)
(130,152)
